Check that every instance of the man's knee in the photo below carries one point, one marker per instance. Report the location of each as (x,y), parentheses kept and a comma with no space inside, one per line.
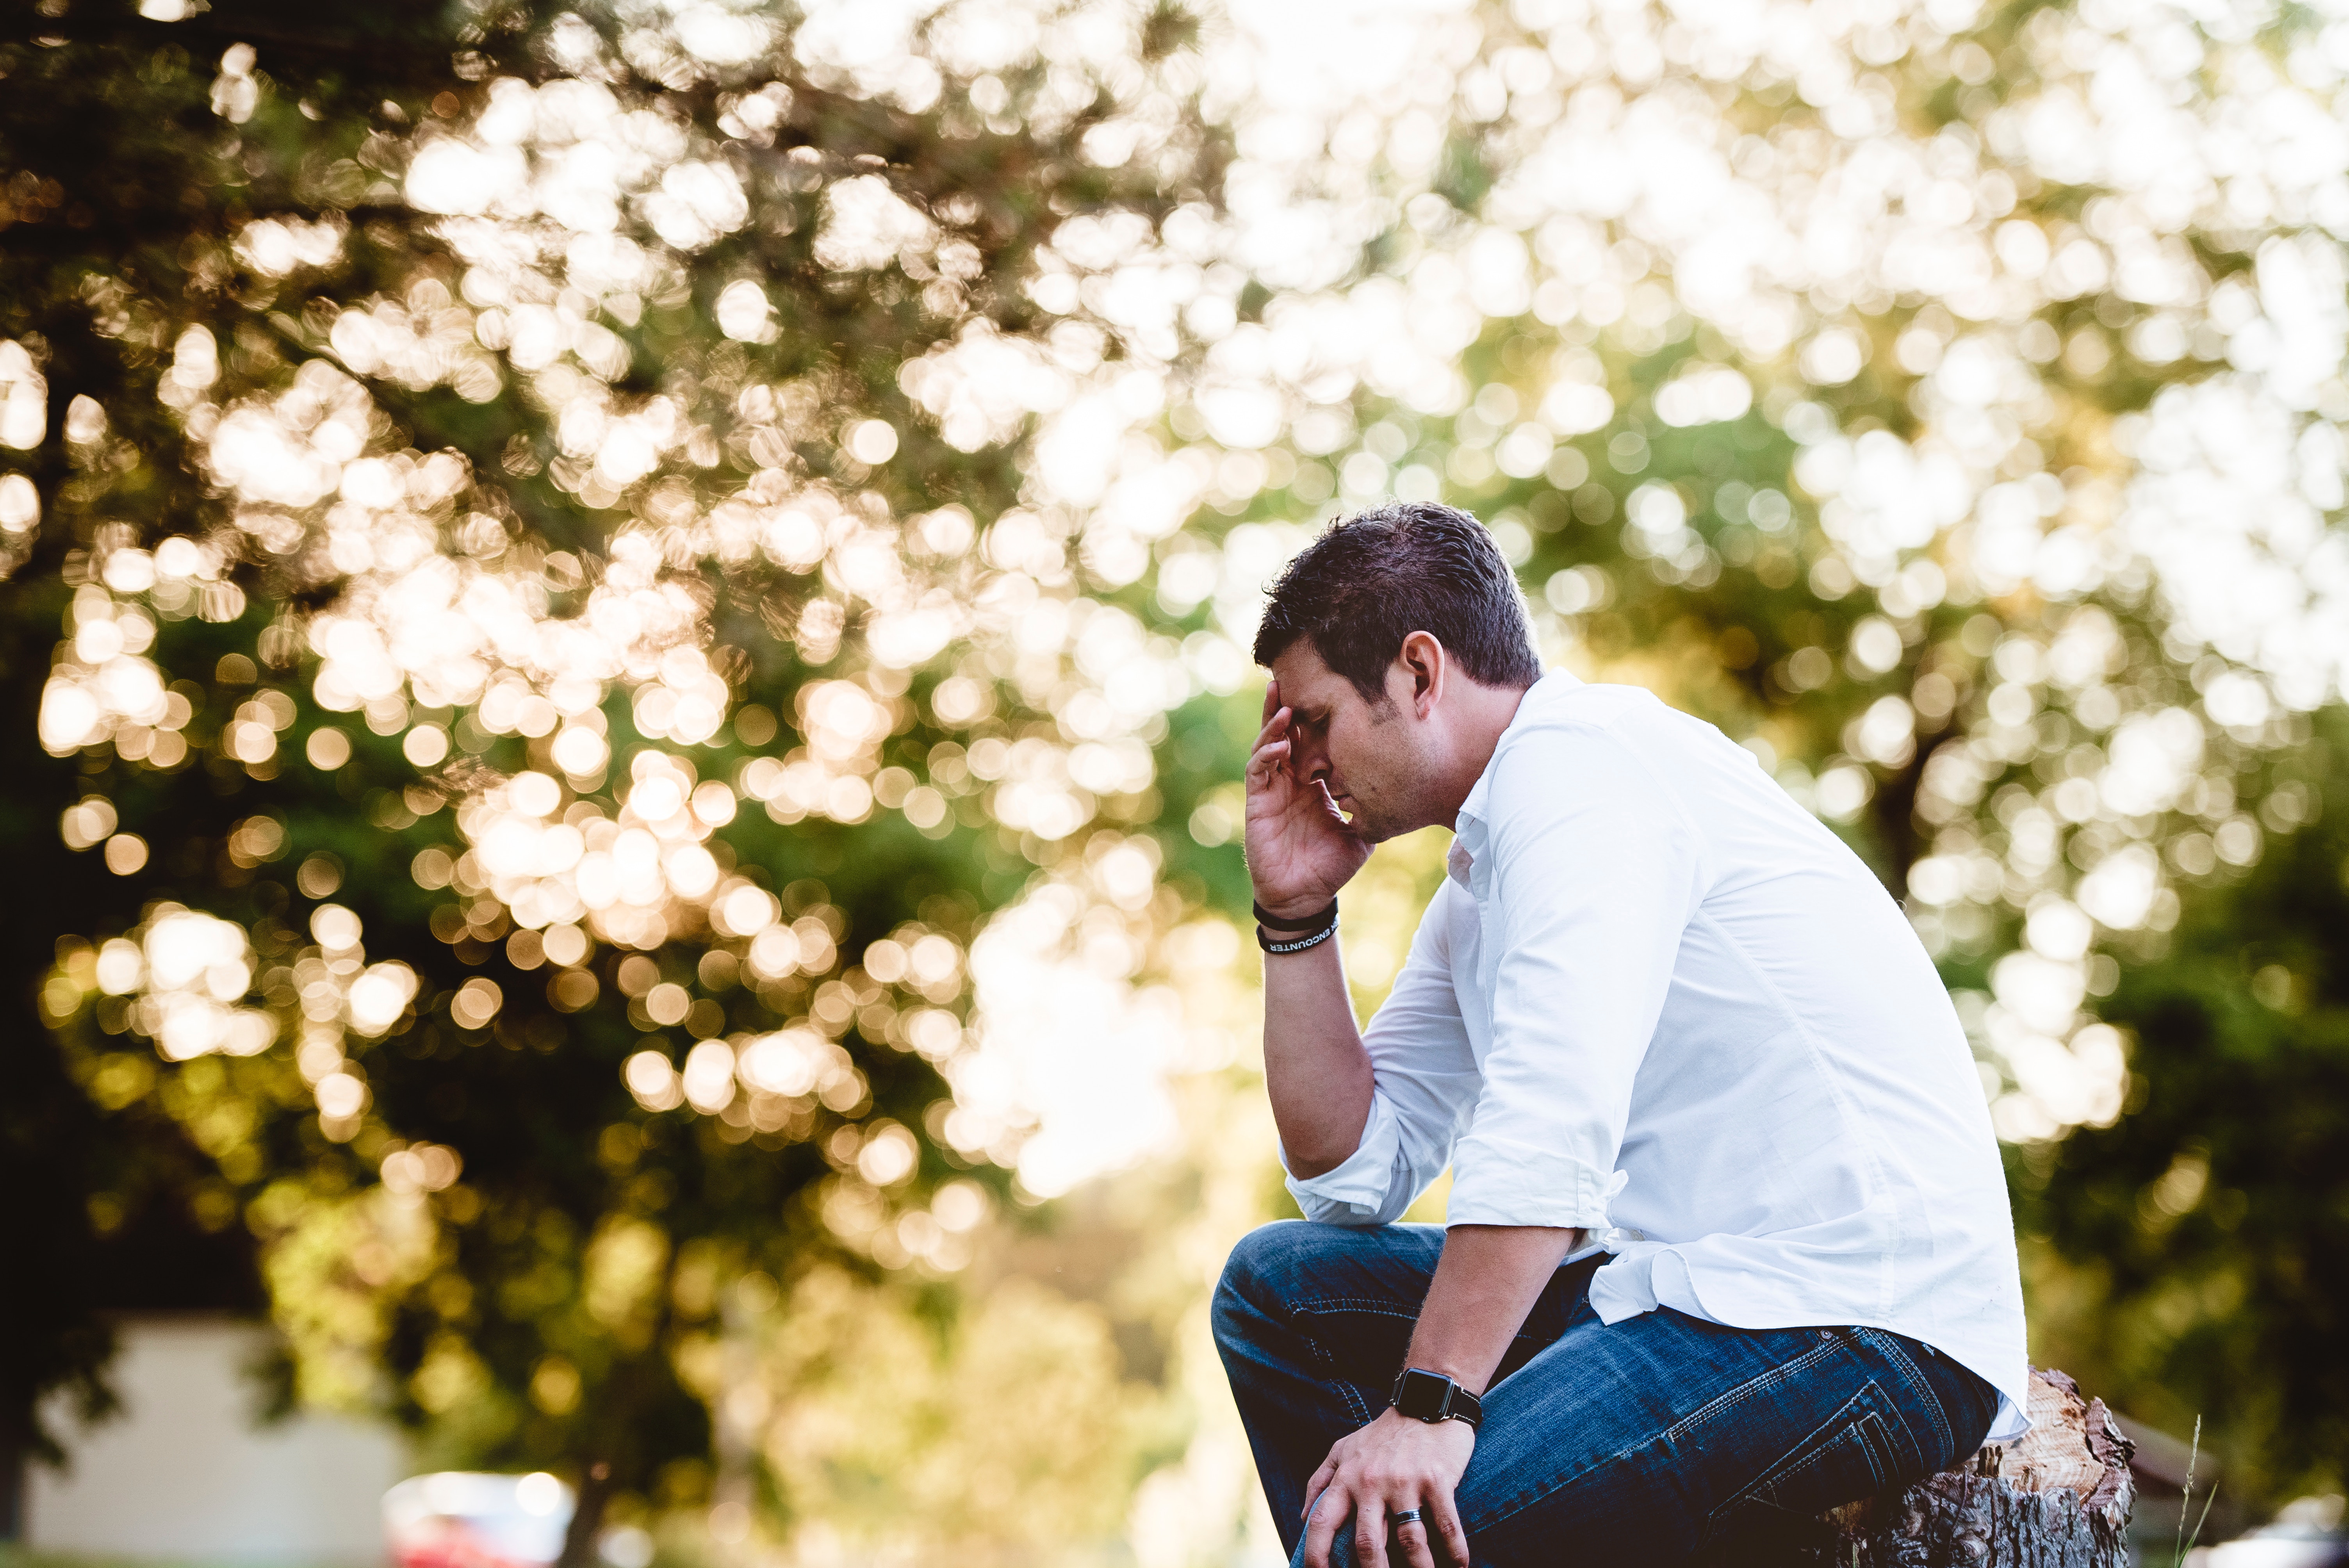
(1263,1271)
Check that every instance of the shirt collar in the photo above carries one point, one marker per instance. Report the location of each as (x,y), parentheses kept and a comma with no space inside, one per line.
(1471,830)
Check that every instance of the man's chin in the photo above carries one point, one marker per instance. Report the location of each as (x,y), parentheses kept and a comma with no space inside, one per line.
(1371,827)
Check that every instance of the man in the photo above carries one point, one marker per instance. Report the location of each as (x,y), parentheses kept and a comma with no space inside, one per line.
(1727,1234)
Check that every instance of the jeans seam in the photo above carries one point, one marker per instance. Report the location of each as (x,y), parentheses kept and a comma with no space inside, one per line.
(1878,1463)
(1749,1389)
(1905,1366)
(1381,1307)
(1874,1440)
(1300,1312)
(1809,1461)
(1752,1385)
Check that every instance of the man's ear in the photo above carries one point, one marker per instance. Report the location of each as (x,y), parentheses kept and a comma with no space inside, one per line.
(1425,662)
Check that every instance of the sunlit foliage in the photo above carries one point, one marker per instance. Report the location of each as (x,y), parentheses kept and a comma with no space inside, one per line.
(626,637)
(553,663)
(2191,1252)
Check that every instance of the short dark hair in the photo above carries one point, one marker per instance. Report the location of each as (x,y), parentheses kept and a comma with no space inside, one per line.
(1373,579)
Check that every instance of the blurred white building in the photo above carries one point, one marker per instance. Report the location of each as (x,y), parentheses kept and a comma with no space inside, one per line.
(186,1473)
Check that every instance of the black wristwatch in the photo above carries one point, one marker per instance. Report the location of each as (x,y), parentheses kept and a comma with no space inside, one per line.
(1432,1397)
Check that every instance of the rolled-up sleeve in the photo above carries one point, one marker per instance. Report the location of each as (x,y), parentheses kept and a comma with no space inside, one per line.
(1589,875)
(1424,1080)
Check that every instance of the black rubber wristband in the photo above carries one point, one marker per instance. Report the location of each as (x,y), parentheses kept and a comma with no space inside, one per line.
(1271,943)
(1313,922)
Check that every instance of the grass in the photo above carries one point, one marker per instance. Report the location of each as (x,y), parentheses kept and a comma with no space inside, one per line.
(2185,1542)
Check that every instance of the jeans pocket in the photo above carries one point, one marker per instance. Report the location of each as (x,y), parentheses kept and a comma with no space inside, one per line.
(1852,1454)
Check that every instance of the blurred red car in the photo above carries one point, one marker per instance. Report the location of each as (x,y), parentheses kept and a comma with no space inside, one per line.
(466,1519)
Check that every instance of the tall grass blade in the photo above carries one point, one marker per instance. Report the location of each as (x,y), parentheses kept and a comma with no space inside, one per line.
(2199,1523)
(2186,1498)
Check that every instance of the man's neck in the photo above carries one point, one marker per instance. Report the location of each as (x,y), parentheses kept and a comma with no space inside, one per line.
(1485,717)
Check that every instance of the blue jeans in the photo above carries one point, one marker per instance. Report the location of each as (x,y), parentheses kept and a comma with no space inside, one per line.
(1643,1442)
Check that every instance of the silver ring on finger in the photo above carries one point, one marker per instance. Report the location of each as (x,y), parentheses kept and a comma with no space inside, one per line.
(1403,1517)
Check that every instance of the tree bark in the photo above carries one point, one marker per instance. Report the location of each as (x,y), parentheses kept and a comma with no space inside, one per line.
(2058,1498)
(579,1537)
(13,1427)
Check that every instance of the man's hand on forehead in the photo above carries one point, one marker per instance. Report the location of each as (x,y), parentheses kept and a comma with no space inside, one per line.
(1299,845)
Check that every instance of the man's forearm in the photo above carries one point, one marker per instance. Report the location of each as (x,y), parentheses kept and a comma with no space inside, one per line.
(1485,1284)
(1315,1069)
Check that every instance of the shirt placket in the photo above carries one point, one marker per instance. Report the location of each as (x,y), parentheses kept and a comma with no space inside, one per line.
(1472,981)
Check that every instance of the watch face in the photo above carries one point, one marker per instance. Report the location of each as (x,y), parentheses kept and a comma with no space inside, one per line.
(1423,1396)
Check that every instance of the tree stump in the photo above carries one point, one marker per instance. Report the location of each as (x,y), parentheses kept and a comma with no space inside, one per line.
(2059,1498)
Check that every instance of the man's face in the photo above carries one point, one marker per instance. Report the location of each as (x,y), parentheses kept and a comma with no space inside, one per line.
(1368,754)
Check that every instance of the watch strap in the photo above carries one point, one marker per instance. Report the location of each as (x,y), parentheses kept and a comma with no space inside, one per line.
(1432,1397)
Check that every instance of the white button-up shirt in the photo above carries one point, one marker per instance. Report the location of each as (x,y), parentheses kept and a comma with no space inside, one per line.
(1657,1000)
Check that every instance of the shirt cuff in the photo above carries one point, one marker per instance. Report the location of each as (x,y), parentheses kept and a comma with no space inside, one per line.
(1498,1181)
(1359,1189)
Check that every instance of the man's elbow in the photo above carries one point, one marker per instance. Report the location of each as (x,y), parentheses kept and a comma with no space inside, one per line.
(1316,1159)
(1323,1143)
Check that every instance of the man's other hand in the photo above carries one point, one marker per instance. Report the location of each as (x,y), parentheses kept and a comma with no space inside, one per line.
(1389,1467)
(1299,850)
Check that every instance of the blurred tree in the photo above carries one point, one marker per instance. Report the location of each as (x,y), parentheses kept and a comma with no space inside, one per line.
(2195,1247)
(96,1182)
(526,495)
(481,428)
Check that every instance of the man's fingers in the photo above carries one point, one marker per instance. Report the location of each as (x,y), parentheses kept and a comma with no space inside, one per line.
(1327,1518)
(1264,759)
(1415,1548)
(1438,1511)
(1370,1533)
(1313,1487)
(1271,699)
(1273,735)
